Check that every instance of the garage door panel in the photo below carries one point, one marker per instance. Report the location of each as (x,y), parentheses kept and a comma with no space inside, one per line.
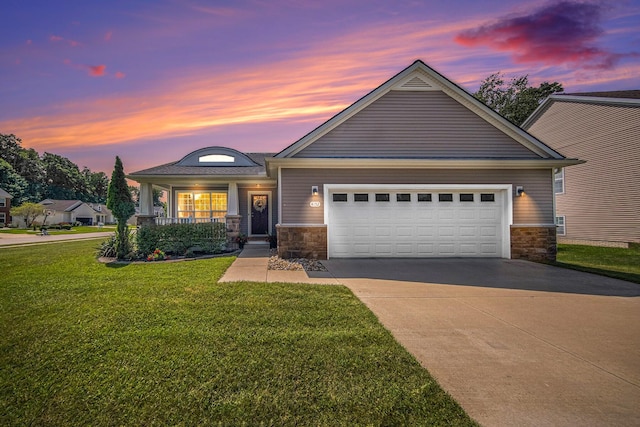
(412,228)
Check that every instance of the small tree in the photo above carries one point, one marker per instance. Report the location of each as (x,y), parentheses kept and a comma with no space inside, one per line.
(119,201)
(29,211)
(517,99)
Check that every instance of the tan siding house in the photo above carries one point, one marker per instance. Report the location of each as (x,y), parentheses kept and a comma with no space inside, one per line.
(416,168)
(597,202)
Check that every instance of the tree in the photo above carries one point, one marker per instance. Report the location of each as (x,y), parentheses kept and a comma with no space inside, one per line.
(121,204)
(515,100)
(13,183)
(29,211)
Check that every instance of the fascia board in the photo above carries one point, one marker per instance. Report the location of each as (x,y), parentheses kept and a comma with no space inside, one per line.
(342,163)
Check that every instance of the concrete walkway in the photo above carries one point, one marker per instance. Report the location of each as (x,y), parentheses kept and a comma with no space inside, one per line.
(10,240)
(252,266)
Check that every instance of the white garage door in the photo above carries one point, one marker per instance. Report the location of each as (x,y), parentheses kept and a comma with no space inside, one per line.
(416,223)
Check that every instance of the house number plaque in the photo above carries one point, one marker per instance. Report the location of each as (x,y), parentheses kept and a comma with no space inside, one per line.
(314,204)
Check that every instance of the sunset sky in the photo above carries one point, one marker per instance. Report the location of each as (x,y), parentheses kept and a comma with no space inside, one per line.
(151,81)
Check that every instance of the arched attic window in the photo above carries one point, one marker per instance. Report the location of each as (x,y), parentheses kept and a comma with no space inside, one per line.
(216,156)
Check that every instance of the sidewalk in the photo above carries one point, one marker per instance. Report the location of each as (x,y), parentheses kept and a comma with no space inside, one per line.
(252,265)
(10,240)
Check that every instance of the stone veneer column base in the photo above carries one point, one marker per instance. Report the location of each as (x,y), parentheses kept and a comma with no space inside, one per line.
(145,220)
(534,243)
(233,228)
(302,241)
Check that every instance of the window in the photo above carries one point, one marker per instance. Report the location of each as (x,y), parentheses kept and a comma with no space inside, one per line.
(447,197)
(216,158)
(3,218)
(340,197)
(487,197)
(558,182)
(466,197)
(202,205)
(361,197)
(3,202)
(560,223)
(403,197)
(384,197)
(424,197)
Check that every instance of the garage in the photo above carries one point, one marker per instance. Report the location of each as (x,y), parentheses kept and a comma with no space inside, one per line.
(418,221)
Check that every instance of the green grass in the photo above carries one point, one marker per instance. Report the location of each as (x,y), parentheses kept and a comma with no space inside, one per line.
(82,343)
(52,231)
(619,263)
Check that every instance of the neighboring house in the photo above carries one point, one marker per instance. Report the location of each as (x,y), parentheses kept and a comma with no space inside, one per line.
(598,202)
(71,211)
(5,208)
(416,168)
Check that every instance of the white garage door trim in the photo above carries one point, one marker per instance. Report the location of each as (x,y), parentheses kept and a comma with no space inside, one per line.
(506,191)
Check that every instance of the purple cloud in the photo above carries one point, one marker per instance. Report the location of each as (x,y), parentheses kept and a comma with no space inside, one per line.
(558,33)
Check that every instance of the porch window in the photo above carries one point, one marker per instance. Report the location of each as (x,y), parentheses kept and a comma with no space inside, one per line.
(202,204)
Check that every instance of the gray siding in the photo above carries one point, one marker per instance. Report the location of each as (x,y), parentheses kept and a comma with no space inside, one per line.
(534,208)
(602,197)
(411,124)
(243,200)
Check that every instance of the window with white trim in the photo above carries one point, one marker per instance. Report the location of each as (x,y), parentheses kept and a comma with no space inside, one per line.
(561,229)
(202,204)
(3,218)
(3,202)
(558,182)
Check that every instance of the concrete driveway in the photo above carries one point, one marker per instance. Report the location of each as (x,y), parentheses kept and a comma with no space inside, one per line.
(514,342)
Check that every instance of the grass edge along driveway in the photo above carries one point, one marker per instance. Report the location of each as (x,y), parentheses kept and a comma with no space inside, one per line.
(165,344)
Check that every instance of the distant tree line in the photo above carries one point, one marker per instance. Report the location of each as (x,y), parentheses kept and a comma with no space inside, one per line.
(29,177)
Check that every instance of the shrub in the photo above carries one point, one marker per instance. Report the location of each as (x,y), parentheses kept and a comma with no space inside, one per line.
(178,239)
(108,247)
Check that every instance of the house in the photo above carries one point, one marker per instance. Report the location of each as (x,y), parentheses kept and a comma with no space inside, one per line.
(597,203)
(416,168)
(5,208)
(71,211)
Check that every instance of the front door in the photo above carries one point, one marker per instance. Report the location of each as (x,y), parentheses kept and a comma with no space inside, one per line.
(259,214)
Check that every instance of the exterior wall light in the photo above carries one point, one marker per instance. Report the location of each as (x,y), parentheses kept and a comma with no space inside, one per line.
(519,190)
(314,190)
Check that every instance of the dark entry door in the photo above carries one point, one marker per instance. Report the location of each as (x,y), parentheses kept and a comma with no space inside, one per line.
(259,214)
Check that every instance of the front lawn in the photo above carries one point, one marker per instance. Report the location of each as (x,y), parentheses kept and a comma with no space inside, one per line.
(82,343)
(613,262)
(53,231)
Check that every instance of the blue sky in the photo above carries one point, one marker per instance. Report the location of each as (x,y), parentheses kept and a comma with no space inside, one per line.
(151,81)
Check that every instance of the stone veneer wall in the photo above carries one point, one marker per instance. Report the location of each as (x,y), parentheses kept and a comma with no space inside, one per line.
(534,243)
(306,241)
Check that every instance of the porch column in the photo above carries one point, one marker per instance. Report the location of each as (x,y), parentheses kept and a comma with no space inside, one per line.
(232,199)
(146,199)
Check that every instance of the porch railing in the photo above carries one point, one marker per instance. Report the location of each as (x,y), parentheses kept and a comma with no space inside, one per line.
(167,221)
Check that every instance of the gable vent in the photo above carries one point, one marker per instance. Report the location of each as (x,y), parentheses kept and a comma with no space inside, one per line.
(417,83)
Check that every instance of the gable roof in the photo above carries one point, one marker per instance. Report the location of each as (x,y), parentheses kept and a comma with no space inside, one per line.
(419,76)
(630,98)
(5,194)
(61,205)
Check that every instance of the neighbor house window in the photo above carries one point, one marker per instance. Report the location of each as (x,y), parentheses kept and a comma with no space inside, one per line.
(3,202)
(558,182)
(561,228)
(202,204)
(3,218)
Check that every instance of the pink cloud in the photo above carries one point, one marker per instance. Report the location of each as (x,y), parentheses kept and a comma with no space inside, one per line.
(557,33)
(119,75)
(97,70)
(107,36)
(56,38)
(71,43)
